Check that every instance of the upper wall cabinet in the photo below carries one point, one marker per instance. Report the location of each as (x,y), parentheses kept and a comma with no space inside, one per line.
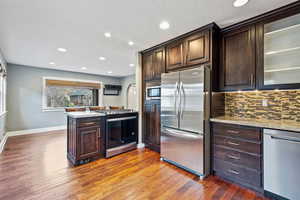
(192,50)
(237,65)
(175,57)
(197,49)
(279,53)
(147,66)
(153,64)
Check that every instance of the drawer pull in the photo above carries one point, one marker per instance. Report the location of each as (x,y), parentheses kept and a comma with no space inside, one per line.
(233,143)
(233,172)
(88,123)
(233,157)
(234,132)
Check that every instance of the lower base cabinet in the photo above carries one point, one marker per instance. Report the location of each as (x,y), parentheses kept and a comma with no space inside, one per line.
(151,132)
(237,155)
(85,139)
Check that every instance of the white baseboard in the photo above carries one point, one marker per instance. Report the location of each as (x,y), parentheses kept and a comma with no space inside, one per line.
(33,131)
(2,143)
(141,145)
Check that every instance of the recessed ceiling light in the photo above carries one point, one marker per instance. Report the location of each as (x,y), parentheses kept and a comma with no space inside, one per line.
(52,63)
(102,58)
(109,72)
(83,68)
(131,43)
(131,65)
(239,3)
(164,25)
(62,49)
(107,34)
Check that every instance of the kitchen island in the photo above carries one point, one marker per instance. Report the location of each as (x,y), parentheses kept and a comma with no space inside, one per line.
(99,134)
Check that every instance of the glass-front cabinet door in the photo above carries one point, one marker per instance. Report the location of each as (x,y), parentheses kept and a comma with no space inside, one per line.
(282,52)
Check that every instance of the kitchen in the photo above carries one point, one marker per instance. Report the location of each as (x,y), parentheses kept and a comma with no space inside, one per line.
(214,113)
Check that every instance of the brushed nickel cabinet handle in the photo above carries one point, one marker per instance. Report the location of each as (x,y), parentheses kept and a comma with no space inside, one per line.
(233,172)
(89,123)
(252,80)
(233,143)
(232,131)
(99,133)
(233,157)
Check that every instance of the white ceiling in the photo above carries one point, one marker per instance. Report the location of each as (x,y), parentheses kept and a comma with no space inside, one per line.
(32,30)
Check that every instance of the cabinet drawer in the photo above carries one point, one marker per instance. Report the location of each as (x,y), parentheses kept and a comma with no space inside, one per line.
(239,158)
(236,131)
(237,173)
(89,122)
(236,144)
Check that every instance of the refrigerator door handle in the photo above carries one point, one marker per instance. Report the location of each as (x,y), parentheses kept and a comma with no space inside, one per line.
(183,105)
(175,98)
(179,100)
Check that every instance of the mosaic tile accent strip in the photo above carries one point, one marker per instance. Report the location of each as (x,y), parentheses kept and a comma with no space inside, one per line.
(282,105)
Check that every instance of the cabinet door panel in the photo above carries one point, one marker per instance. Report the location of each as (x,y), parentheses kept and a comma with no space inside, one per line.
(238,59)
(174,55)
(152,125)
(197,49)
(147,66)
(89,142)
(158,63)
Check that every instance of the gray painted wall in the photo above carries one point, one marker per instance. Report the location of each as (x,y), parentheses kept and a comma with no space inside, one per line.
(24,96)
(3,117)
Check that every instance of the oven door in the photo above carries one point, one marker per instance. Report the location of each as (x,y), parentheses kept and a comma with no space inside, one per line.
(121,131)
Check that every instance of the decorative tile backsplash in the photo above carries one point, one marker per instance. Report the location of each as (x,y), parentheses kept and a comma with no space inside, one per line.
(281,105)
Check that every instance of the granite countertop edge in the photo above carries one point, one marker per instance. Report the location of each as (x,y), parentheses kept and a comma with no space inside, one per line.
(269,124)
(85,114)
(90,114)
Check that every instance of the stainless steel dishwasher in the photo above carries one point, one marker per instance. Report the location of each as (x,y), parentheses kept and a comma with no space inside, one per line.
(281,163)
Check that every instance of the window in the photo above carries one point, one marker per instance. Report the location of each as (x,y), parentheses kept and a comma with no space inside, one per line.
(59,93)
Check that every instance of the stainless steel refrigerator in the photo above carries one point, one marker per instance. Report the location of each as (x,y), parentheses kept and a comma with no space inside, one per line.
(185,110)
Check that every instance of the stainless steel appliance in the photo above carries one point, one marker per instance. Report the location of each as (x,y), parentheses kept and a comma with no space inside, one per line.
(121,133)
(281,163)
(153,92)
(185,110)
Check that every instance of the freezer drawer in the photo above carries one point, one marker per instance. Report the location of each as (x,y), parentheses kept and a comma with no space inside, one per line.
(183,148)
(281,163)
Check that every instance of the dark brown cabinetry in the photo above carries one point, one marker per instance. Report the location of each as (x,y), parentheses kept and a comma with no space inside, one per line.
(154,64)
(152,125)
(85,139)
(237,154)
(197,48)
(192,50)
(174,54)
(237,68)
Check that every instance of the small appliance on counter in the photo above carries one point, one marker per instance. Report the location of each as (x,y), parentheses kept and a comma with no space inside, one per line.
(185,110)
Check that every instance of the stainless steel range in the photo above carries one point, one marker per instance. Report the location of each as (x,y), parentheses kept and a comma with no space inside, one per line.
(121,131)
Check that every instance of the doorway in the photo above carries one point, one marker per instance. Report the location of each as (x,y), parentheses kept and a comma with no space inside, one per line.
(131,101)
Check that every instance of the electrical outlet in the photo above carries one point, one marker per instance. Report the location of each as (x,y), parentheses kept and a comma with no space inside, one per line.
(265,103)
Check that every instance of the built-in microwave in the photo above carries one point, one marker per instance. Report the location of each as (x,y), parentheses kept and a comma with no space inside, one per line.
(153,92)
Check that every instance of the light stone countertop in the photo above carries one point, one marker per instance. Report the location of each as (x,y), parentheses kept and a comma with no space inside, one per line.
(84,114)
(270,124)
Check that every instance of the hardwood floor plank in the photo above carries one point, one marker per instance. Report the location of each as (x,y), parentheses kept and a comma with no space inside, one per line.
(35,167)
